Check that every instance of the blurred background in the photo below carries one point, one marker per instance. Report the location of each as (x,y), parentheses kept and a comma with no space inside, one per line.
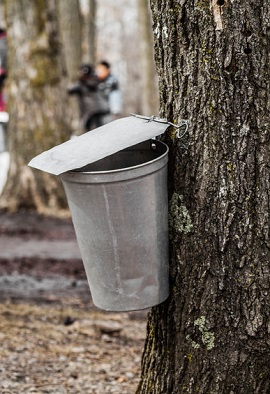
(45,45)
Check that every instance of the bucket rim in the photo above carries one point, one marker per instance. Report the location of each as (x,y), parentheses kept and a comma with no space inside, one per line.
(118,170)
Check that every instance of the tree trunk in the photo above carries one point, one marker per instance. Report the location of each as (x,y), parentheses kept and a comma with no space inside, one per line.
(212,334)
(148,74)
(36,103)
(70,28)
(71,37)
(89,31)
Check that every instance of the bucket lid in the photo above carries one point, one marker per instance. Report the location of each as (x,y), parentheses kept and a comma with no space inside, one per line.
(98,143)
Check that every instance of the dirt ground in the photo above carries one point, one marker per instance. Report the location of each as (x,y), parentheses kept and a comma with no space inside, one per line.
(52,339)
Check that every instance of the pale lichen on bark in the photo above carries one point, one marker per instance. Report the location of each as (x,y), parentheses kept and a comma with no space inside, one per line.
(208,338)
(179,218)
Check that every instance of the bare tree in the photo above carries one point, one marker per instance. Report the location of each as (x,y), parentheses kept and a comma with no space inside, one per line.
(117,42)
(148,74)
(70,27)
(89,10)
(36,103)
(71,37)
(212,334)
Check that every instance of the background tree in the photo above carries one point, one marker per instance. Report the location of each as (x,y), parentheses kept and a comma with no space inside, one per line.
(69,16)
(149,89)
(89,11)
(36,103)
(117,26)
(212,334)
(71,36)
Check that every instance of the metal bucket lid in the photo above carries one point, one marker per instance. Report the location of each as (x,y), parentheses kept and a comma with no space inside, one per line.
(98,143)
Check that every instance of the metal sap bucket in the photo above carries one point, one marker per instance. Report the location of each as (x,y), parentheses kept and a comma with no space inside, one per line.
(119,209)
(115,179)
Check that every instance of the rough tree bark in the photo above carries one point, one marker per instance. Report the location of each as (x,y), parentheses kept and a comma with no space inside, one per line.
(148,74)
(213,333)
(36,103)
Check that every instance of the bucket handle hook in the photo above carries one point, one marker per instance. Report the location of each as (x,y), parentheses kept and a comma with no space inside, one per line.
(154,118)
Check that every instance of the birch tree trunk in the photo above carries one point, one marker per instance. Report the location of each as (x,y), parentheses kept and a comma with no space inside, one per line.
(36,103)
(213,333)
(148,73)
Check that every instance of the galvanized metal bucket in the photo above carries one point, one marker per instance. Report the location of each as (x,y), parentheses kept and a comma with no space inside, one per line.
(120,213)
(116,186)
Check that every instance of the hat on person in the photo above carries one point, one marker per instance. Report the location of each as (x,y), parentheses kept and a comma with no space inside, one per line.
(87,69)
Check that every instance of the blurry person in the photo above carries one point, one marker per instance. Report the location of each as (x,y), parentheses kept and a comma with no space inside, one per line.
(3,99)
(3,119)
(109,87)
(93,105)
(3,69)
(3,49)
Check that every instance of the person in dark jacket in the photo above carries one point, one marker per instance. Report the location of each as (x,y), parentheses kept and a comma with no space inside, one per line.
(93,105)
(3,69)
(109,88)
(3,49)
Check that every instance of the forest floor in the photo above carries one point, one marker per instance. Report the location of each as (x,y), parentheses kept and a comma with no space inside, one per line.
(52,338)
